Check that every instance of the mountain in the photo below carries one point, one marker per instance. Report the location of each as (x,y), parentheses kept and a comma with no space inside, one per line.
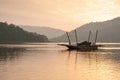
(49,32)
(10,33)
(108,31)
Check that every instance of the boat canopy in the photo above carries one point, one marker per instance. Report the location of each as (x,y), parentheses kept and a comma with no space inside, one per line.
(84,43)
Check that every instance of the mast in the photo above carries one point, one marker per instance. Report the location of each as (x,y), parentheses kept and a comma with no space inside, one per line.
(96,37)
(68,38)
(76,36)
(89,35)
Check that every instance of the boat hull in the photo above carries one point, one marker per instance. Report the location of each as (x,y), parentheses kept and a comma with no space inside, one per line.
(82,47)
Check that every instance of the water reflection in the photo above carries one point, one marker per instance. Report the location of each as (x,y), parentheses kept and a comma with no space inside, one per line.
(101,65)
(52,62)
(82,55)
(10,53)
(94,58)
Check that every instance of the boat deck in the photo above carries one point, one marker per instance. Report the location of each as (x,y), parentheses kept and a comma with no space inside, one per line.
(81,47)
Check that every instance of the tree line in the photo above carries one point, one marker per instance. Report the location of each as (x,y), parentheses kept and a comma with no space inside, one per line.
(10,33)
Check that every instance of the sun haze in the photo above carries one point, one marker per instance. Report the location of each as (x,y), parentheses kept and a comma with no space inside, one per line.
(61,14)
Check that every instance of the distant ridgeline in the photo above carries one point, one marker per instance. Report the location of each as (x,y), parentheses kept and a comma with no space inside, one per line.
(10,33)
(108,31)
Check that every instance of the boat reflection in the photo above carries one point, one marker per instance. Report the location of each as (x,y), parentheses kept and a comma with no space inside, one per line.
(93,59)
(88,56)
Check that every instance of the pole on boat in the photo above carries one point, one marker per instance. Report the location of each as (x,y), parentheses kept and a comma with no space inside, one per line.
(96,37)
(89,36)
(76,36)
(68,38)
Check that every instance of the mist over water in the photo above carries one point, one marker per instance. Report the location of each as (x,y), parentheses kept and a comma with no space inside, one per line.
(48,61)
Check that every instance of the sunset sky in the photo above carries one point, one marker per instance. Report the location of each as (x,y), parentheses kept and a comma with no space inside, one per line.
(60,14)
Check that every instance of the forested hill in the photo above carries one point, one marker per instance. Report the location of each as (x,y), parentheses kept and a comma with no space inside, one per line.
(10,33)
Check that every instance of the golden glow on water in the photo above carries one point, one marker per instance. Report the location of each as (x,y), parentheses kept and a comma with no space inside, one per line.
(109,43)
(111,48)
(52,62)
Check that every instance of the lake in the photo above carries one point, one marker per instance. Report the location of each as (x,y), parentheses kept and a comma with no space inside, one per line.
(48,61)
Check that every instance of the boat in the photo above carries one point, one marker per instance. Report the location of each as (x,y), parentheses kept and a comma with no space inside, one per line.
(83,46)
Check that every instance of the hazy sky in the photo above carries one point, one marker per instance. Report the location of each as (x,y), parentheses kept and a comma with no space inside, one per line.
(61,14)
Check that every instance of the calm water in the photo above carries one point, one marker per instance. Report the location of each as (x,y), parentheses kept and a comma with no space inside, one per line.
(53,62)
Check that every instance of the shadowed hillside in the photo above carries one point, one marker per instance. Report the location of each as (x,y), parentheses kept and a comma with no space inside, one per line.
(9,33)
